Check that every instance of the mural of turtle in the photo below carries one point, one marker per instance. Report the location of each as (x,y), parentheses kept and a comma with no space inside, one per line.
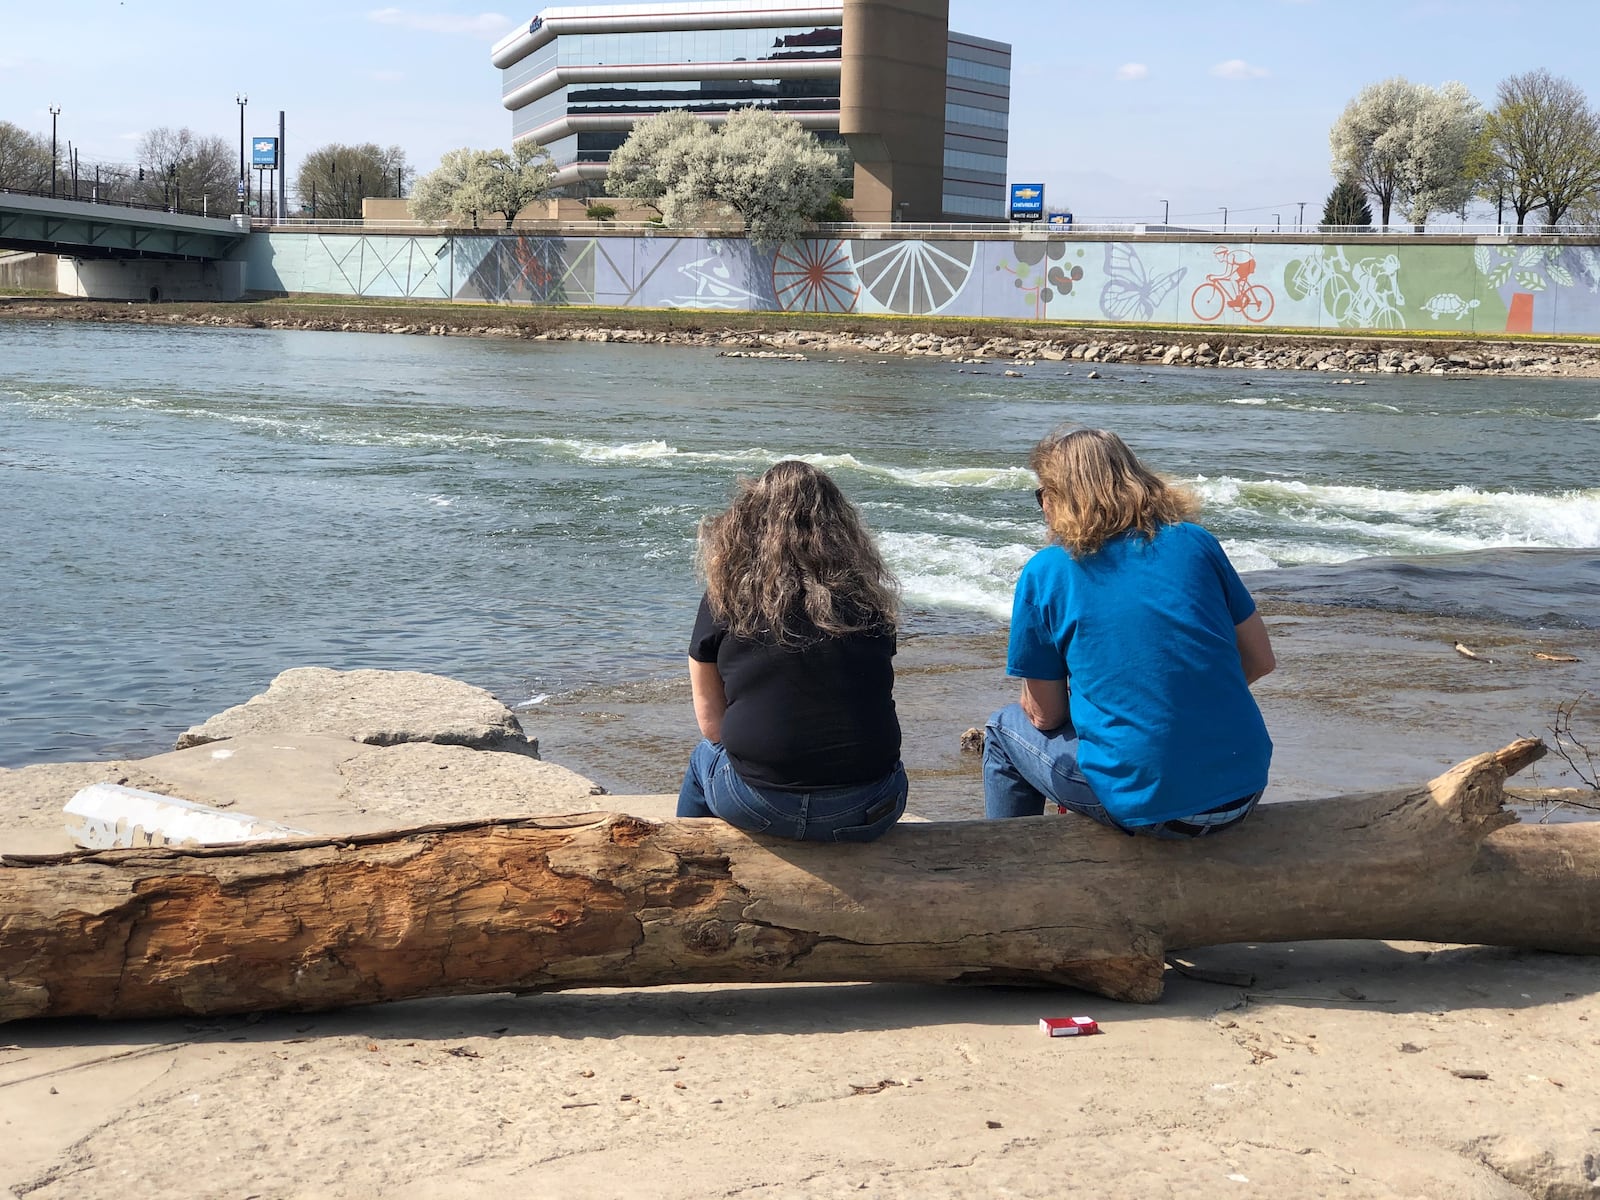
(1448,304)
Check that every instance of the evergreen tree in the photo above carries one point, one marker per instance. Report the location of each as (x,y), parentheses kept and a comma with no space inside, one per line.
(1347,208)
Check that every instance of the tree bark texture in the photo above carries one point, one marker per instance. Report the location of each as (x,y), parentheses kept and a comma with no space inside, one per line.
(603,899)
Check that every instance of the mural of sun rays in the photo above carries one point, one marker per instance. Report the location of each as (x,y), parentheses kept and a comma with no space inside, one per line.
(815,276)
(912,276)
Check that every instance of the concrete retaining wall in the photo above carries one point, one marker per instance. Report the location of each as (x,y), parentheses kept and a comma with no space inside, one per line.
(150,279)
(28,272)
(1488,285)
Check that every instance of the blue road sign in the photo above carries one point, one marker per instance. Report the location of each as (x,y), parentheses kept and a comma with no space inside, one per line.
(264,152)
(1027,201)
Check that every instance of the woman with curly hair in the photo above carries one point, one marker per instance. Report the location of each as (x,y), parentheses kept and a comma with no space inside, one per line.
(1136,644)
(790,665)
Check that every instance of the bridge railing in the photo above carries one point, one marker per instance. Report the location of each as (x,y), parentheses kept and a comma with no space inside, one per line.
(990,229)
(182,210)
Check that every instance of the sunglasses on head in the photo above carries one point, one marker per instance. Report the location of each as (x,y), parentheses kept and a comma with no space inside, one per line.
(1038,496)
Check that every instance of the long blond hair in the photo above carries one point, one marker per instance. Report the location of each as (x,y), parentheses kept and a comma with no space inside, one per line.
(1099,489)
(791,547)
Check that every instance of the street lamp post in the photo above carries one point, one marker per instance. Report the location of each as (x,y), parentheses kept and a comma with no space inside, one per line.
(1166,207)
(1277,222)
(1301,223)
(55,111)
(1224,218)
(241,99)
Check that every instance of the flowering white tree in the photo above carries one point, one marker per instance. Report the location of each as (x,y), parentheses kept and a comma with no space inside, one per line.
(1436,175)
(762,165)
(455,186)
(1371,138)
(772,172)
(659,161)
(470,182)
(1410,145)
(514,181)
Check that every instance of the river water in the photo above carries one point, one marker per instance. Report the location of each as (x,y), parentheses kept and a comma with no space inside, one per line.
(191,511)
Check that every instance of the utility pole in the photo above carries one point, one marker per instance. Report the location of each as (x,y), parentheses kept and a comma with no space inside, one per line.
(55,111)
(244,179)
(1166,207)
(283,174)
(1301,223)
(1224,218)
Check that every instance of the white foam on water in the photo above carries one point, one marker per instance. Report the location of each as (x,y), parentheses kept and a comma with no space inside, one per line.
(534,701)
(659,452)
(1266,554)
(1030,525)
(938,571)
(1461,518)
(441,501)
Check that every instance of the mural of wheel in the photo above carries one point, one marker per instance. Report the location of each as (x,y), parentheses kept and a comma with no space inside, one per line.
(1340,303)
(815,276)
(913,276)
(1207,301)
(1257,305)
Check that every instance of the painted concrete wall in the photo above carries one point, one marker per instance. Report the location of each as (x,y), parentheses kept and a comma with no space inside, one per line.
(1487,287)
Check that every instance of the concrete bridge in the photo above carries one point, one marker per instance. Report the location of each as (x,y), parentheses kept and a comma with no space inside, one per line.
(113,251)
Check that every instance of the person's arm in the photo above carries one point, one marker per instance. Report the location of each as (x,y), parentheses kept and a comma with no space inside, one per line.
(1255,647)
(1045,702)
(710,701)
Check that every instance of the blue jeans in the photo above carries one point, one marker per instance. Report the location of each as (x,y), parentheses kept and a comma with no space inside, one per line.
(858,812)
(1024,766)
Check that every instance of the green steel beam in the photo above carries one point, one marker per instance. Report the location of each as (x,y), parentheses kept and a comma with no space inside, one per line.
(78,229)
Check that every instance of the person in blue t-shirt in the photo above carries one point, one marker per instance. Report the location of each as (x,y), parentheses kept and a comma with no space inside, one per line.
(1136,644)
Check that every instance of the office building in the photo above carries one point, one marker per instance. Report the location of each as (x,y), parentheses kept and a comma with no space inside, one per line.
(924,110)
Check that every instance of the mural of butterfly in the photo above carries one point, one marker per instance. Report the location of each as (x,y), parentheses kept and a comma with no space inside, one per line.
(1130,294)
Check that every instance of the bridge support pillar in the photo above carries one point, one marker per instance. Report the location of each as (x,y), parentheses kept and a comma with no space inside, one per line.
(149,279)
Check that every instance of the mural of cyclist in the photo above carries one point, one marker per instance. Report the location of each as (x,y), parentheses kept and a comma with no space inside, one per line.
(1376,284)
(1240,265)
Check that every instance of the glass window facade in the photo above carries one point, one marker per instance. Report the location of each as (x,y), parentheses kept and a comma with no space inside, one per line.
(960,68)
(983,118)
(980,208)
(977,111)
(645,99)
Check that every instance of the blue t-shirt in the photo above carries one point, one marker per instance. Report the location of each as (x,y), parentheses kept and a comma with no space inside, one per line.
(1143,632)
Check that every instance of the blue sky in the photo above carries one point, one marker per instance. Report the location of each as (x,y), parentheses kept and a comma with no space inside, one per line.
(1114,106)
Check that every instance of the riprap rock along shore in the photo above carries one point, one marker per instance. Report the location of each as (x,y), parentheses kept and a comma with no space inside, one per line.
(771,336)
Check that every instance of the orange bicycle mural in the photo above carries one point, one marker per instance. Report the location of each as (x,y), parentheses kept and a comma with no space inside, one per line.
(1231,288)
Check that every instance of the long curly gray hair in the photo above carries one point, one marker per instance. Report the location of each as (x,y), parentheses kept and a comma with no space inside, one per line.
(791,547)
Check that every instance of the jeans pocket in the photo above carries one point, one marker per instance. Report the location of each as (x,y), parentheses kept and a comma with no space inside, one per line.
(878,819)
(731,799)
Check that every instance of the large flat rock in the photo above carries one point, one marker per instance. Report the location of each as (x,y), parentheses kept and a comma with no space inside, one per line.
(380,708)
(317,782)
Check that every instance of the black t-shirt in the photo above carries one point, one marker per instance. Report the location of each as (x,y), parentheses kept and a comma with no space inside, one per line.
(812,715)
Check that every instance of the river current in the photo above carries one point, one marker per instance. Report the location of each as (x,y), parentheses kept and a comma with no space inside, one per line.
(190,511)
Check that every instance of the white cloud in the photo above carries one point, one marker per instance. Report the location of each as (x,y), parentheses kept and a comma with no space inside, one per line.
(1237,68)
(482,25)
(1133,71)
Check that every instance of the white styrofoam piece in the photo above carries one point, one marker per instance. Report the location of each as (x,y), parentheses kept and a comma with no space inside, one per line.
(108,816)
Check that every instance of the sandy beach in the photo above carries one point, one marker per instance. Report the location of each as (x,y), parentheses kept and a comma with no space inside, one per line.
(1353,1069)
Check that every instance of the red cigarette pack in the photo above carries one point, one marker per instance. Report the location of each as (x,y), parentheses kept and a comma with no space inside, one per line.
(1068,1026)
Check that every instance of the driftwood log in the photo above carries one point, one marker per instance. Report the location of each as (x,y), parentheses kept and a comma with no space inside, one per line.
(608,900)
